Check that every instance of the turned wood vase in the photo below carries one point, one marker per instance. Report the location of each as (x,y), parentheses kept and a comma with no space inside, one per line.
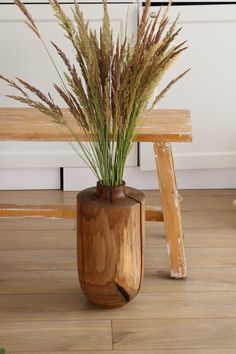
(110,242)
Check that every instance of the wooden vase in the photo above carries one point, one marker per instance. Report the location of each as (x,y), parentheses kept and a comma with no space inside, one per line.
(110,242)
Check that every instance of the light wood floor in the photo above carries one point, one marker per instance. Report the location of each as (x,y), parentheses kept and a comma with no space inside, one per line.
(42,309)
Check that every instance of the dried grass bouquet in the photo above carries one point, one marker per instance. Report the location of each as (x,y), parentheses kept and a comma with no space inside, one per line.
(111,87)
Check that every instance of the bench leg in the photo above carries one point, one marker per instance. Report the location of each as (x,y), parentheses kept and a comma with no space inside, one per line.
(171,209)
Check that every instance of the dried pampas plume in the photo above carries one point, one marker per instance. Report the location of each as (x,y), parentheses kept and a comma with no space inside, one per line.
(29,22)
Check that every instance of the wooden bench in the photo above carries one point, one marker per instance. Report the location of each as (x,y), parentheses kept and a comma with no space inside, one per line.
(158,126)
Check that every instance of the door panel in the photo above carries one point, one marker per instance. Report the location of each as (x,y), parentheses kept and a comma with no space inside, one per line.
(208,90)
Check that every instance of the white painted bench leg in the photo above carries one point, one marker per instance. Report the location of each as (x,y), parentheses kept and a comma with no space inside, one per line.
(171,209)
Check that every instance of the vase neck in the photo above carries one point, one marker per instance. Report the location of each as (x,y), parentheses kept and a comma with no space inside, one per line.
(110,193)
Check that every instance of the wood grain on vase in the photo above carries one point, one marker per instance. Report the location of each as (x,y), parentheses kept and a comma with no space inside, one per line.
(111,227)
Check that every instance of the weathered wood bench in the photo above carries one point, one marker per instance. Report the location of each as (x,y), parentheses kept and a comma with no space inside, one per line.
(158,126)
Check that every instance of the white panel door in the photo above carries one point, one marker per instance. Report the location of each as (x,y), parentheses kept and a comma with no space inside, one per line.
(208,90)
(22,55)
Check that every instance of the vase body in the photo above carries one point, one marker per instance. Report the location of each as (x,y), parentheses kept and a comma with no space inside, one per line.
(110,243)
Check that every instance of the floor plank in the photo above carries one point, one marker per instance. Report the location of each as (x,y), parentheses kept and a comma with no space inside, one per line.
(174,333)
(198,280)
(38,239)
(39,282)
(36,224)
(29,260)
(52,336)
(38,260)
(61,239)
(66,239)
(213,200)
(155,281)
(196,258)
(215,219)
(205,219)
(37,197)
(195,237)
(65,307)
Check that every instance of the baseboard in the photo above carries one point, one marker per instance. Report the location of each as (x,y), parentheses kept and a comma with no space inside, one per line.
(190,160)
(205,160)
(80,178)
(29,178)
